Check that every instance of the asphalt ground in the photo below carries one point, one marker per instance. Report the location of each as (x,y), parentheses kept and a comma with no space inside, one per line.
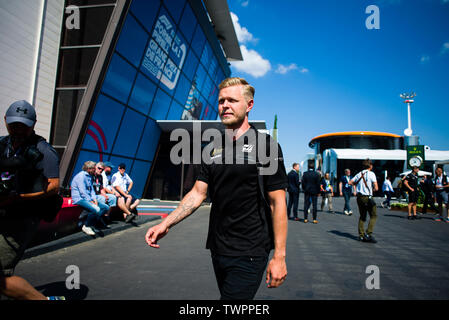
(325,262)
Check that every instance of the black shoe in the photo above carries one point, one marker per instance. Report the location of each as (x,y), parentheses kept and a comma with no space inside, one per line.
(409,218)
(130,218)
(361,238)
(370,239)
(416,218)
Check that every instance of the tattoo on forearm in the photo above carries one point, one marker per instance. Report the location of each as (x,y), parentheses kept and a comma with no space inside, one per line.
(185,208)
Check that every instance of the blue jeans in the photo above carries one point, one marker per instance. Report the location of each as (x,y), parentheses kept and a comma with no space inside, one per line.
(94,212)
(112,200)
(347,195)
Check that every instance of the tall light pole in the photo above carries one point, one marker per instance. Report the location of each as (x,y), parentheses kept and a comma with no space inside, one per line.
(408,99)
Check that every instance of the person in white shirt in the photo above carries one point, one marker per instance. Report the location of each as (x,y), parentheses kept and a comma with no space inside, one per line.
(123,184)
(366,184)
(388,190)
(109,189)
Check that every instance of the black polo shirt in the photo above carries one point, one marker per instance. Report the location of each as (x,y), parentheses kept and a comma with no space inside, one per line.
(412,181)
(239,224)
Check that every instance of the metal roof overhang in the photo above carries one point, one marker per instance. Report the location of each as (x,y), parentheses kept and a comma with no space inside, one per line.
(219,14)
(382,154)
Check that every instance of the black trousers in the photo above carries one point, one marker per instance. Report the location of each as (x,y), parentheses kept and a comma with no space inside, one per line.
(429,201)
(308,199)
(238,278)
(293,198)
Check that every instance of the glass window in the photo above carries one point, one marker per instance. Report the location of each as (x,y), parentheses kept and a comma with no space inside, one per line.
(67,103)
(104,125)
(175,8)
(213,115)
(207,87)
(132,42)
(182,90)
(198,41)
(76,65)
(129,134)
(116,160)
(154,61)
(119,79)
(175,111)
(219,77)
(139,175)
(213,66)
(145,11)
(142,95)
(93,24)
(150,138)
(188,22)
(164,30)
(160,106)
(206,56)
(213,96)
(200,77)
(190,65)
(178,50)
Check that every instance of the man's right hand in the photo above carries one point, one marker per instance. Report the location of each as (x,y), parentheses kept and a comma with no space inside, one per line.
(155,233)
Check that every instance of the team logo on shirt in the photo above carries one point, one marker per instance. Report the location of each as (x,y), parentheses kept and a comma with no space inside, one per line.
(216,153)
(247,148)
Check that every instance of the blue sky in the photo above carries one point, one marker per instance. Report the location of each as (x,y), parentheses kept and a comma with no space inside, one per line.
(320,69)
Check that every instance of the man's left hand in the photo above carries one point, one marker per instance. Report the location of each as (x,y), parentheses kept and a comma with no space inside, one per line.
(276,272)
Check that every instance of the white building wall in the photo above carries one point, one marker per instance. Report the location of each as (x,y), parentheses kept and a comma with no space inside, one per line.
(29,45)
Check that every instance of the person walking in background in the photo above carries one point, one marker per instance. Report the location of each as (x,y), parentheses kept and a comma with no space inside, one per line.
(366,184)
(346,190)
(441,194)
(411,183)
(293,192)
(388,190)
(428,187)
(311,186)
(327,192)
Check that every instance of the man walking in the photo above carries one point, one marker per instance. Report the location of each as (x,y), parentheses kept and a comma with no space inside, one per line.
(366,183)
(428,187)
(311,186)
(346,190)
(441,194)
(388,190)
(293,192)
(327,192)
(411,183)
(248,216)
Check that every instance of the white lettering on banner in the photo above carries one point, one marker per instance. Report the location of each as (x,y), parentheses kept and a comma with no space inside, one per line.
(73,280)
(160,64)
(372,21)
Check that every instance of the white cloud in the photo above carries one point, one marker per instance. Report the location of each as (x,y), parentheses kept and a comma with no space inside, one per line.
(253,63)
(445,48)
(243,35)
(424,59)
(292,66)
(246,3)
(284,69)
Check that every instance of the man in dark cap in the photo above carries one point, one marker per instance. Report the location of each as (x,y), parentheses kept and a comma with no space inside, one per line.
(29,167)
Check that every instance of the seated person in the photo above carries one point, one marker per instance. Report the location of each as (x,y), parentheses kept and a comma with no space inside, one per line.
(109,189)
(123,184)
(83,195)
(102,196)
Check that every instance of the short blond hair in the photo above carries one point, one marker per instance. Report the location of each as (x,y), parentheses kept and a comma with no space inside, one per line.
(248,91)
(89,165)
